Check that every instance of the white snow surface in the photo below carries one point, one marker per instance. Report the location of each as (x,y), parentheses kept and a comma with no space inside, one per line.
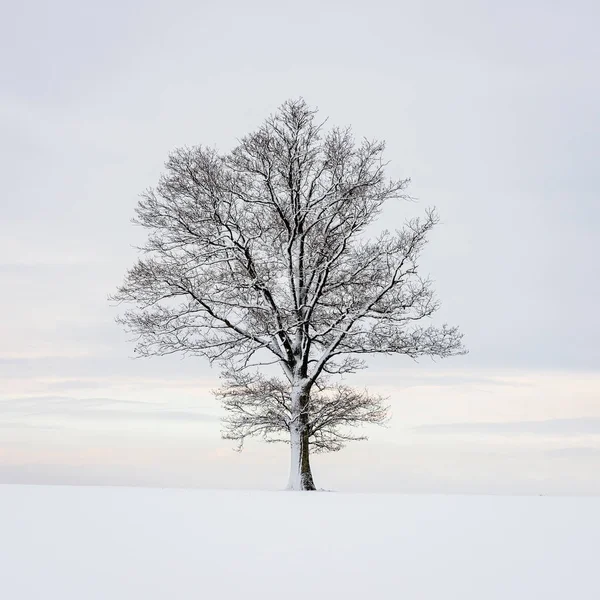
(74,543)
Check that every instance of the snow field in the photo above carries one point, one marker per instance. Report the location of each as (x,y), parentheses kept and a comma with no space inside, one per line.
(75,543)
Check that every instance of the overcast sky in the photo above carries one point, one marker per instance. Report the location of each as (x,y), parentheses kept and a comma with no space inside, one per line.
(490,108)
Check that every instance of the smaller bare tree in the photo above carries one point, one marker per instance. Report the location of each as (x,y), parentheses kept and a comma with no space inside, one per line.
(261,406)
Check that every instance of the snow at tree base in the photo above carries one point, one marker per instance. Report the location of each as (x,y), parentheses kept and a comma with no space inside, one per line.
(76,543)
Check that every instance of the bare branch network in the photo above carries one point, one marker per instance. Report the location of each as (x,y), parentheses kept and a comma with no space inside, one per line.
(260,406)
(262,253)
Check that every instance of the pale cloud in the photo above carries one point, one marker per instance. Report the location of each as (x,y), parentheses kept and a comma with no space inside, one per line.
(581,426)
(576,452)
(93,409)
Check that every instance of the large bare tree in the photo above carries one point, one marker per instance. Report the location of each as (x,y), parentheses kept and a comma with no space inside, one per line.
(261,256)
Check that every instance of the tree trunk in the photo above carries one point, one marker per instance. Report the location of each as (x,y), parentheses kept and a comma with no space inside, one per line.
(301,478)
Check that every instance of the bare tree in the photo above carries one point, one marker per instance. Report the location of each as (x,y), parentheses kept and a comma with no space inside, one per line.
(260,256)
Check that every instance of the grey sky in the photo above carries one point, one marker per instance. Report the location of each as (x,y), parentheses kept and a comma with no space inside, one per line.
(490,108)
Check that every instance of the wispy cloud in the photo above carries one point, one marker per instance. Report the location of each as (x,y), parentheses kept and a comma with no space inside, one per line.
(60,407)
(446,375)
(576,452)
(579,426)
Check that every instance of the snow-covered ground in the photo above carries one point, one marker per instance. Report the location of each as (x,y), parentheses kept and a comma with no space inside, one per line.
(70,543)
